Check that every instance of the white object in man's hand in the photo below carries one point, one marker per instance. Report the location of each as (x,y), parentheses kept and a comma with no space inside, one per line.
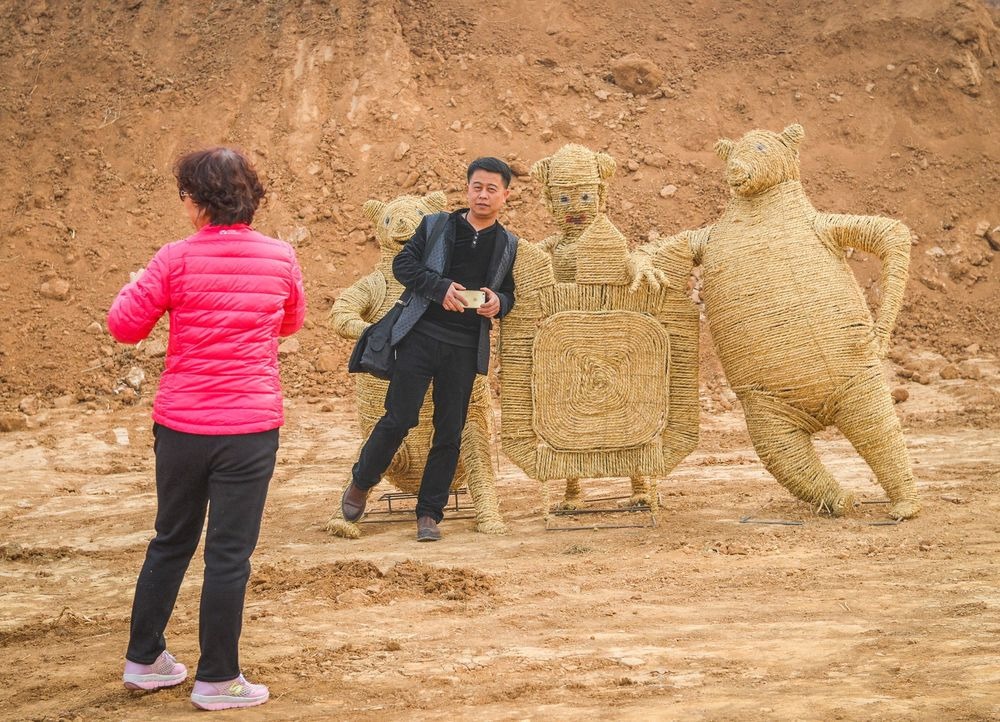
(473,299)
(490,307)
(133,276)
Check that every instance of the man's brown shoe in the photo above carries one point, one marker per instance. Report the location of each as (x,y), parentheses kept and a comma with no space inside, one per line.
(427,529)
(352,503)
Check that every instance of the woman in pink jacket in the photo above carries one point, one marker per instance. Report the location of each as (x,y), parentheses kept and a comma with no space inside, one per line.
(230,292)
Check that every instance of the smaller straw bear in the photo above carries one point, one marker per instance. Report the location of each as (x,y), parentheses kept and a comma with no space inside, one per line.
(366,301)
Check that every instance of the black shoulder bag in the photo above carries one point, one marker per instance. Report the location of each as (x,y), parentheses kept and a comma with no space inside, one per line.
(374,353)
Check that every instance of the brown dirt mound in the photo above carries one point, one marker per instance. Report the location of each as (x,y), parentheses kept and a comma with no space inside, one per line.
(406,578)
(342,102)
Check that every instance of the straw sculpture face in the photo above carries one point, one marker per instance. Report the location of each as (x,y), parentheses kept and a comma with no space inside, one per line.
(396,220)
(574,186)
(575,207)
(790,325)
(366,301)
(761,159)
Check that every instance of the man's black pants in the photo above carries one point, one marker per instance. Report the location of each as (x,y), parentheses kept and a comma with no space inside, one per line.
(228,476)
(421,359)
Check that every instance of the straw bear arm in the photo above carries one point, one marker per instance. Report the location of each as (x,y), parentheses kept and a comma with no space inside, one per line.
(885,238)
(550,243)
(356,307)
(676,255)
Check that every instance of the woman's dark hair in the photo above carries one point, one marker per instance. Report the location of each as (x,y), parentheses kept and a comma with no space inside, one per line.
(491,165)
(222,182)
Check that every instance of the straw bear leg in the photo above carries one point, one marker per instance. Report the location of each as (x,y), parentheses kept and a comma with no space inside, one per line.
(339,526)
(863,410)
(476,459)
(482,489)
(640,494)
(573,499)
(782,438)
(343,528)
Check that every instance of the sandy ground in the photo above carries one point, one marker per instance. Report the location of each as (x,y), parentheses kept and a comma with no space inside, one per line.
(700,618)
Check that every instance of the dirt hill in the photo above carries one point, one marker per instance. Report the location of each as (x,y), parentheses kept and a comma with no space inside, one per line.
(346,101)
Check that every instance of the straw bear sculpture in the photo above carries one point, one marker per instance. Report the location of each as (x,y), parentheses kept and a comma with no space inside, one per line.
(598,379)
(364,303)
(791,327)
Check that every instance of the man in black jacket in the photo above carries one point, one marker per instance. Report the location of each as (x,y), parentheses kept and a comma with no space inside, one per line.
(442,335)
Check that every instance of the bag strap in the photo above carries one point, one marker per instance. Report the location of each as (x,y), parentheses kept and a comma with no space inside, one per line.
(435,233)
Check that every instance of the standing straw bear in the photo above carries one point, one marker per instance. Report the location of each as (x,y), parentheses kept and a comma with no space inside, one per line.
(790,324)
(575,189)
(365,302)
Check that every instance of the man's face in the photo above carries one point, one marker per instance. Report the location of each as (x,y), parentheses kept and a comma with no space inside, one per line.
(486,194)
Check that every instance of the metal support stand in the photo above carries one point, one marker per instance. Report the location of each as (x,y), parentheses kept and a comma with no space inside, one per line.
(783,522)
(391,497)
(603,510)
(884,522)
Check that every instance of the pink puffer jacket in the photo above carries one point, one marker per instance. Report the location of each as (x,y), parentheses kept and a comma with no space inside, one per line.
(231,292)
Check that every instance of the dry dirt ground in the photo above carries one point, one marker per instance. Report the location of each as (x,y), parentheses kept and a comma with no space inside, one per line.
(702,617)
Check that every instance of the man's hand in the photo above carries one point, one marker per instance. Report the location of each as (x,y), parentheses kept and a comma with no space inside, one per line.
(452,301)
(492,305)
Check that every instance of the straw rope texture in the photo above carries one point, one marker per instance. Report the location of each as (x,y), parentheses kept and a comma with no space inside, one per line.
(790,324)
(597,381)
(366,301)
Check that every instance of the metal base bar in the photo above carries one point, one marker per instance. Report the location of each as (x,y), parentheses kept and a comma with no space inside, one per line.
(603,510)
(390,496)
(788,522)
(782,522)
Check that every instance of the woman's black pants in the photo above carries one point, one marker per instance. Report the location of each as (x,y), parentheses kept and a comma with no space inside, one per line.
(227,477)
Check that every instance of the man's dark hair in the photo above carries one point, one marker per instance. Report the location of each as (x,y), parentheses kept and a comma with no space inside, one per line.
(222,182)
(492,165)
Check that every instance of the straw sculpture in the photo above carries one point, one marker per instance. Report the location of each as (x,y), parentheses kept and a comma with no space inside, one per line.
(367,301)
(790,324)
(597,381)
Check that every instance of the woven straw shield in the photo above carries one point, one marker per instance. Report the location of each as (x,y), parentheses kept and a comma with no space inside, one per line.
(596,381)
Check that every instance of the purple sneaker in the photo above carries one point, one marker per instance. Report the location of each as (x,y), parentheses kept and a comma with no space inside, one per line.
(227,695)
(164,672)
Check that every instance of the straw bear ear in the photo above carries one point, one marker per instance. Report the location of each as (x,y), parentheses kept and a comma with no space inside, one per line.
(435,201)
(373,210)
(605,165)
(723,148)
(540,171)
(793,135)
